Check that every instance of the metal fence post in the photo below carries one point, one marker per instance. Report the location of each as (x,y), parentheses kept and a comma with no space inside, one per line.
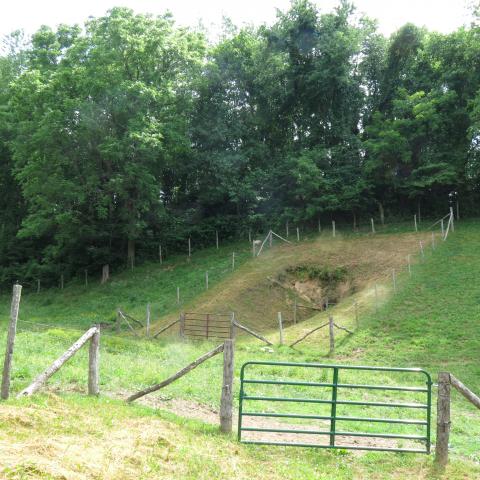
(333,411)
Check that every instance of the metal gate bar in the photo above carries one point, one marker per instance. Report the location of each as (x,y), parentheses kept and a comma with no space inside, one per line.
(335,387)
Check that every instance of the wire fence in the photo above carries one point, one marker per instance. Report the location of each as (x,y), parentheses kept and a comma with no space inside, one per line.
(206,278)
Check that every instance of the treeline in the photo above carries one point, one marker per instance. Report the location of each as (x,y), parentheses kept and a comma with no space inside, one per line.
(132,132)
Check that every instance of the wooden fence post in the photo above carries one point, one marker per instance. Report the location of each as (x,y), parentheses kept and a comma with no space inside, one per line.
(182,325)
(415,222)
(61,281)
(442,227)
(373,225)
(86,278)
(147,321)
(451,219)
(298,234)
(331,335)
(232,326)
(249,235)
(226,401)
(286,229)
(105,274)
(12,330)
(280,327)
(443,419)
(118,322)
(333,228)
(319,226)
(189,247)
(233,261)
(216,238)
(94,363)
(178,295)
(160,258)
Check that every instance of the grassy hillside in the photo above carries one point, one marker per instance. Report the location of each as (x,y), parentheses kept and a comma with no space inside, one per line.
(432,322)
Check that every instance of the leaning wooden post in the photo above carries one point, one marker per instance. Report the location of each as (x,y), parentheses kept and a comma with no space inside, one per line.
(443,419)
(373,225)
(415,222)
(12,330)
(147,321)
(226,401)
(94,363)
(331,335)
(280,327)
(333,228)
(270,239)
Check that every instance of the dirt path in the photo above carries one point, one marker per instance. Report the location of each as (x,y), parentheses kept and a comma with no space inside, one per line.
(193,410)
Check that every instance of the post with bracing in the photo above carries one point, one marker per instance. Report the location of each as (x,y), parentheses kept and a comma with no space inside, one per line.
(226,401)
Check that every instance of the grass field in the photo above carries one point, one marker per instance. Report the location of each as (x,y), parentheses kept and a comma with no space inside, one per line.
(432,322)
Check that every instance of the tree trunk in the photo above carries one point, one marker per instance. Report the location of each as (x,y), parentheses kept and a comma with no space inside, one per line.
(131,253)
(382,213)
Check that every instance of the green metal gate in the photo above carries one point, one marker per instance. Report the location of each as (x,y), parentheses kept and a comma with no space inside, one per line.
(259,407)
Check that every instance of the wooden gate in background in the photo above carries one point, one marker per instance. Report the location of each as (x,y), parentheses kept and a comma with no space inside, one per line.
(207,325)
